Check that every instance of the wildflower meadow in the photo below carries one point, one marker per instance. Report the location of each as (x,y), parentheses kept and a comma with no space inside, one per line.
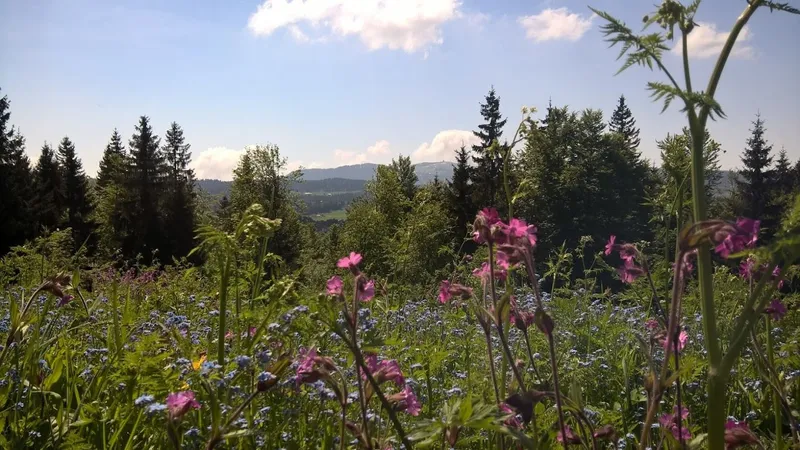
(613,343)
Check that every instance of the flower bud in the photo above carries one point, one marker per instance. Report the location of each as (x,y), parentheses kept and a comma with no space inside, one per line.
(544,322)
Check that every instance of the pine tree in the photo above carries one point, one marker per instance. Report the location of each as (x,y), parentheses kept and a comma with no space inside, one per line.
(50,192)
(623,123)
(781,190)
(753,186)
(77,203)
(784,178)
(112,165)
(144,187)
(408,178)
(16,186)
(179,211)
(460,201)
(489,165)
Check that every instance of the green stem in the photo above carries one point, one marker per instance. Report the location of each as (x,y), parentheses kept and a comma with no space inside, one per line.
(223,306)
(776,400)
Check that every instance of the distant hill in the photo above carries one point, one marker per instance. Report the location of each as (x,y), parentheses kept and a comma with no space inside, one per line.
(342,179)
(425,172)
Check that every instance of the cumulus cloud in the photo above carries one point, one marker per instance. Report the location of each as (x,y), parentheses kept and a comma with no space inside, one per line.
(555,24)
(706,42)
(379,152)
(443,146)
(217,163)
(410,25)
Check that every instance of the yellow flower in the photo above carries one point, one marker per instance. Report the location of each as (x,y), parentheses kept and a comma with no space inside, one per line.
(199,362)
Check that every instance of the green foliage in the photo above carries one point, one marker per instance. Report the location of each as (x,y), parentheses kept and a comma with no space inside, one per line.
(460,191)
(487,173)
(50,190)
(405,172)
(77,201)
(16,186)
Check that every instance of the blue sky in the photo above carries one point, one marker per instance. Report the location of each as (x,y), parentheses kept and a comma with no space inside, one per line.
(334,82)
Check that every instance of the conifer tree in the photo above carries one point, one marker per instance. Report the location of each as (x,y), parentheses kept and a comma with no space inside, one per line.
(78,204)
(179,211)
(112,165)
(489,165)
(754,183)
(16,184)
(623,123)
(144,187)
(408,178)
(784,178)
(460,202)
(50,193)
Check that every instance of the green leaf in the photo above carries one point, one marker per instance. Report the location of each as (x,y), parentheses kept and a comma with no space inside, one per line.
(465,410)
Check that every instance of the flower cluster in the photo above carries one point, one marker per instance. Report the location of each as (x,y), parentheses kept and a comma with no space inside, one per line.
(629,271)
(674,423)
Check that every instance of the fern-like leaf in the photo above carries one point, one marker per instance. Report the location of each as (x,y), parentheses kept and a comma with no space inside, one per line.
(785,7)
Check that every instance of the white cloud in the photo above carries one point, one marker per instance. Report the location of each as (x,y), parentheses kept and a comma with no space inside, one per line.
(217,163)
(443,146)
(410,25)
(706,42)
(376,153)
(554,24)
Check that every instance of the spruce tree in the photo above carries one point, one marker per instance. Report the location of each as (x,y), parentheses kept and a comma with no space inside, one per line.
(17,221)
(408,178)
(77,204)
(112,165)
(460,201)
(489,165)
(144,188)
(50,196)
(179,205)
(623,123)
(754,183)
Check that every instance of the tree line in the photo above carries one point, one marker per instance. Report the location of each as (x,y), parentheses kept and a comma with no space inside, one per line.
(575,175)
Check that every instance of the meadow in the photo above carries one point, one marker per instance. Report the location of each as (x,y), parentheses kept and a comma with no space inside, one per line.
(560,293)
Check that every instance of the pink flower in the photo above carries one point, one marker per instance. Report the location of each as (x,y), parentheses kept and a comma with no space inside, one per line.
(571,438)
(610,245)
(179,403)
(629,272)
(490,215)
(405,400)
(366,290)
(444,292)
(651,325)
(334,285)
(312,367)
(744,236)
(350,262)
(513,420)
(516,229)
(682,338)
(251,331)
(746,268)
(776,310)
(228,335)
(669,422)
(776,272)
(483,273)
(627,252)
(531,232)
(64,300)
(503,261)
(738,434)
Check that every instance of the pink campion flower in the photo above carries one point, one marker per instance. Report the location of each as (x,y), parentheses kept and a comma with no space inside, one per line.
(512,421)
(746,268)
(350,262)
(744,236)
(334,285)
(669,422)
(389,370)
(516,229)
(683,337)
(490,215)
(180,403)
(610,245)
(228,335)
(366,290)
(571,437)
(776,272)
(311,367)
(738,434)
(652,325)
(64,300)
(444,292)
(485,221)
(627,252)
(405,400)
(629,272)
(483,272)
(251,331)
(776,310)
(531,235)
(502,261)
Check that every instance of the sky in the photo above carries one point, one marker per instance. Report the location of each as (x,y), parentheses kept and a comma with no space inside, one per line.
(336,82)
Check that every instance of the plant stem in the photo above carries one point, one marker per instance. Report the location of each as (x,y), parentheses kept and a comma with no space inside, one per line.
(225,265)
(554,367)
(530,356)
(491,365)
(776,400)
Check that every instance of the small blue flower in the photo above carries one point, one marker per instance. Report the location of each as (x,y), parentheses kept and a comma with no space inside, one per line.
(243,361)
(263,377)
(155,408)
(144,400)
